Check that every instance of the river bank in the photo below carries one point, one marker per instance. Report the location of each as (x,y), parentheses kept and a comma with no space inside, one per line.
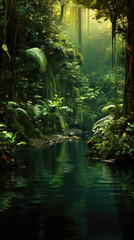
(8,159)
(48,140)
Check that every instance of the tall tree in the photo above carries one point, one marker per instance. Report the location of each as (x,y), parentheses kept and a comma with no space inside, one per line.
(62,10)
(79,29)
(129,76)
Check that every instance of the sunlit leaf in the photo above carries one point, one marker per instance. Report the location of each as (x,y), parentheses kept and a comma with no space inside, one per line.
(66,108)
(2,125)
(21,111)
(7,135)
(39,56)
(105,109)
(21,143)
(103,122)
(5,48)
(12,105)
(45,112)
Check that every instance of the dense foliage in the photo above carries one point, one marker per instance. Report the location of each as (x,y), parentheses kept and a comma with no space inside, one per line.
(113,133)
(43,89)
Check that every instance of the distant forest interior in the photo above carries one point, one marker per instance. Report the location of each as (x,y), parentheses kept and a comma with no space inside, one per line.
(67,66)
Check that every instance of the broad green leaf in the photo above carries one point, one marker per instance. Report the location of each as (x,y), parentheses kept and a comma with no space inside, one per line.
(39,56)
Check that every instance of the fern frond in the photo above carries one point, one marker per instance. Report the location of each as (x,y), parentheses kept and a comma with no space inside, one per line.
(103,122)
(21,111)
(39,56)
(12,105)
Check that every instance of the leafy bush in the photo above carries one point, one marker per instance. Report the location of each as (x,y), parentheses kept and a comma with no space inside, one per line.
(8,141)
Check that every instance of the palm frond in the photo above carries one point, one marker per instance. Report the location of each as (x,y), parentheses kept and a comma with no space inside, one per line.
(21,111)
(103,122)
(39,56)
(12,105)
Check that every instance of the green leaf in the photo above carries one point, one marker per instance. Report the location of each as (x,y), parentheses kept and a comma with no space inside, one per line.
(45,112)
(105,109)
(7,135)
(2,125)
(120,105)
(39,56)
(68,109)
(12,105)
(103,122)
(21,111)
(5,48)
(15,135)
(21,143)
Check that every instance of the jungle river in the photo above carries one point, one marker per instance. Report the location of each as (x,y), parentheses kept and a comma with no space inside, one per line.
(57,194)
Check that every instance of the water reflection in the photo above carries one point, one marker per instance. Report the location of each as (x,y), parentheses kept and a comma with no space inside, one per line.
(60,195)
(124,193)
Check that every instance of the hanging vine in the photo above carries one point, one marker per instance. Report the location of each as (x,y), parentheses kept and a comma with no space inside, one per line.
(10,35)
(116,80)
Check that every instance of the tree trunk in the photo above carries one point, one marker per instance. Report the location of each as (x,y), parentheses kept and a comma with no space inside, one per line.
(62,12)
(10,38)
(129,70)
(116,80)
(79,30)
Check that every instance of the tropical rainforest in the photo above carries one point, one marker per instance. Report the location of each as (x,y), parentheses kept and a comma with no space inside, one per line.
(59,71)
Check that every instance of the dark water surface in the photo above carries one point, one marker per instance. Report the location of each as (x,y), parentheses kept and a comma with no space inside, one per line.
(58,195)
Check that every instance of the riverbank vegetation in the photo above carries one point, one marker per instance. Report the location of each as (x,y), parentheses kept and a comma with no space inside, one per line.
(113,134)
(47,87)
